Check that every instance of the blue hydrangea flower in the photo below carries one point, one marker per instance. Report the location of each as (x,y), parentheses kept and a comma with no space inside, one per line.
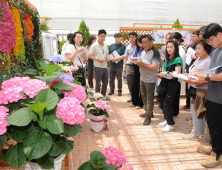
(57,58)
(66,77)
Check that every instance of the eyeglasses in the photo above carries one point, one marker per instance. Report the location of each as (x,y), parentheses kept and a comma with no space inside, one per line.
(210,40)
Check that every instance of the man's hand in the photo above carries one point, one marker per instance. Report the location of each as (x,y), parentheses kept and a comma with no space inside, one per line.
(201,76)
(195,74)
(139,62)
(100,60)
(84,56)
(124,70)
(113,60)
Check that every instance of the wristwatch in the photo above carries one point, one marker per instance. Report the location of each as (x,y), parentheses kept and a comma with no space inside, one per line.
(207,78)
(168,72)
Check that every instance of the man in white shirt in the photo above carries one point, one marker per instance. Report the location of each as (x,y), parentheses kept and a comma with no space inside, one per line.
(69,37)
(100,56)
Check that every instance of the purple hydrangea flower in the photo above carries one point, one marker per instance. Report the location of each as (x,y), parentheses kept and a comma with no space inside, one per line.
(57,58)
(66,77)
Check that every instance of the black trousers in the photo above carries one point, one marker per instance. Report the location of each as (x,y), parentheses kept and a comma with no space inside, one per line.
(90,73)
(136,94)
(170,102)
(214,121)
(188,98)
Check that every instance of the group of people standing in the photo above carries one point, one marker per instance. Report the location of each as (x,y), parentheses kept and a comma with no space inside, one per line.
(143,65)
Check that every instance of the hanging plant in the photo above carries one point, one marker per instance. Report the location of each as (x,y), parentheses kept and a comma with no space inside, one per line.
(19,30)
(29,28)
(7,29)
(22,50)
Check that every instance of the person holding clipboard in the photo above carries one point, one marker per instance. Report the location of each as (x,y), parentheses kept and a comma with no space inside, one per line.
(116,66)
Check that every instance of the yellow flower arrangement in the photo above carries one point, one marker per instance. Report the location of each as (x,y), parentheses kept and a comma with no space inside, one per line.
(29,28)
(18,29)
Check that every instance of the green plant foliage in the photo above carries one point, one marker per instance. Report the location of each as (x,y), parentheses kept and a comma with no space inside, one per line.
(85,31)
(177,22)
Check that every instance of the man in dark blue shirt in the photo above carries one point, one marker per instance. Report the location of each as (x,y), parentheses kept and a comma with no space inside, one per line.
(116,65)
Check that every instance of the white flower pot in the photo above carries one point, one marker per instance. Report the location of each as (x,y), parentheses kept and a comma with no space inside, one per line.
(35,166)
(97,123)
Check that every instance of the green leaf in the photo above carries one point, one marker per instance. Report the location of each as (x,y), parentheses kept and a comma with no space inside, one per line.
(96,166)
(96,157)
(19,135)
(86,166)
(72,130)
(21,117)
(53,124)
(109,167)
(48,79)
(57,148)
(46,162)
(22,93)
(38,108)
(92,100)
(69,146)
(61,85)
(3,140)
(91,93)
(4,156)
(93,111)
(31,71)
(37,145)
(77,82)
(48,96)
(44,65)
(51,69)
(16,156)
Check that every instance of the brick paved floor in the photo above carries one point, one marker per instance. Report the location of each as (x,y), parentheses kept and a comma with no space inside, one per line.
(146,147)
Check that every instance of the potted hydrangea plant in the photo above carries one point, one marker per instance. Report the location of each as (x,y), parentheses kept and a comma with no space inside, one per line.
(40,114)
(110,159)
(98,113)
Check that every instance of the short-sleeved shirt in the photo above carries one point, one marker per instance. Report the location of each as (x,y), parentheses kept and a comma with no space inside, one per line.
(120,49)
(200,65)
(70,48)
(129,53)
(214,92)
(152,56)
(99,52)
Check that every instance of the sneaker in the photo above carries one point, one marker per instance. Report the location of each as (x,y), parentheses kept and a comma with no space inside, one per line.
(189,118)
(156,102)
(185,108)
(111,92)
(191,137)
(212,161)
(206,150)
(105,98)
(163,124)
(138,107)
(147,121)
(132,105)
(168,128)
(119,93)
(143,115)
(130,100)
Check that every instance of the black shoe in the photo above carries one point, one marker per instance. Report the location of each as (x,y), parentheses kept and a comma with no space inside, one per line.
(111,92)
(119,93)
(147,121)
(143,115)
(152,115)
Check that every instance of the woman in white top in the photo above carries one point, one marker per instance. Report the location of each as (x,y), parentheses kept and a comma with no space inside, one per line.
(74,48)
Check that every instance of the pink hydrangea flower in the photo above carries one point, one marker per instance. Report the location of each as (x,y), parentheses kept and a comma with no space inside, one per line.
(67,60)
(15,82)
(78,92)
(70,111)
(126,166)
(3,121)
(73,68)
(34,86)
(114,156)
(101,104)
(78,64)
